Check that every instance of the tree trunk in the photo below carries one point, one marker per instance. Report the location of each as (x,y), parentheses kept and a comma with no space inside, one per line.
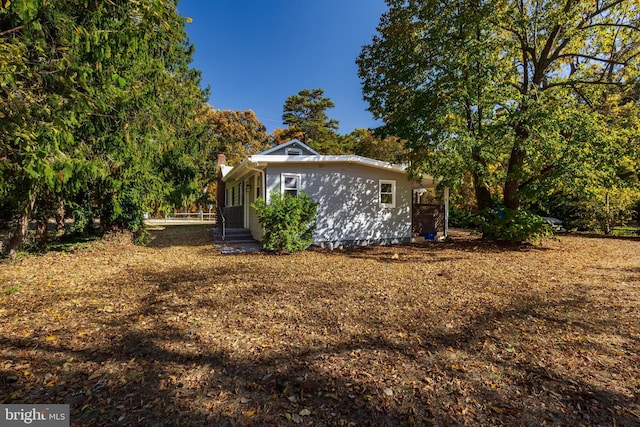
(513,180)
(41,215)
(42,233)
(483,194)
(22,226)
(60,217)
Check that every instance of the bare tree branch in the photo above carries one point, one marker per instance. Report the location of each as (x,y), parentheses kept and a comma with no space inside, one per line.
(611,24)
(604,8)
(584,82)
(595,58)
(13,30)
(544,172)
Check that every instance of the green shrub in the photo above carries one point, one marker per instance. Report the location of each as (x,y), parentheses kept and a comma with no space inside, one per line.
(513,226)
(461,217)
(288,222)
(82,220)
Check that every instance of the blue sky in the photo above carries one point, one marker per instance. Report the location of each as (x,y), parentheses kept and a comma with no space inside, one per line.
(254,54)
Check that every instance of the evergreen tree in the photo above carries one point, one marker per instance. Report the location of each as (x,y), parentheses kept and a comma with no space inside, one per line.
(306,115)
(94,96)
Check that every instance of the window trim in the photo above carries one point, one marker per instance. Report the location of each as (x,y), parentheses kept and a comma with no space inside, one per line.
(382,182)
(298,188)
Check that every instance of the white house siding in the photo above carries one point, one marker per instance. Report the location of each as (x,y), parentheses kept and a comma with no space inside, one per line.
(349,211)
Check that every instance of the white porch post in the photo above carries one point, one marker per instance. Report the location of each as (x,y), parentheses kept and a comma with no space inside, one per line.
(446,211)
(246,199)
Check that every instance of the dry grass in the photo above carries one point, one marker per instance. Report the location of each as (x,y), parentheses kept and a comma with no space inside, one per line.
(462,333)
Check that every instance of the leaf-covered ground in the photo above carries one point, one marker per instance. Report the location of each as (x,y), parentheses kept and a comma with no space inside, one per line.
(461,333)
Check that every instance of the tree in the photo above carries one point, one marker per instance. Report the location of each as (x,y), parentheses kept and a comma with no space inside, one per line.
(36,105)
(366,143)
(146,99)
(237,134)
(520,94)
(280,135)
(306,113)
(94,95)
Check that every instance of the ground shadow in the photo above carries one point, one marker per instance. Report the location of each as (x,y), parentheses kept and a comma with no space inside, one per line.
(164,236)
(159,364)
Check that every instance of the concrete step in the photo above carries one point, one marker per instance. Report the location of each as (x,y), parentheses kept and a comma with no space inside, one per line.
(240,247)
(239,236)
(237,241)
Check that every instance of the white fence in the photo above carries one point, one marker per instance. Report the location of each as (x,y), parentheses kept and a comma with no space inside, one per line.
(185,218)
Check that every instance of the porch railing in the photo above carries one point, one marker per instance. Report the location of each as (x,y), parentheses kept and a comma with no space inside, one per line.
(223,224)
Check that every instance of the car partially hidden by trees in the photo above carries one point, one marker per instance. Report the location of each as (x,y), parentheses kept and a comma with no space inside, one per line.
(555,223)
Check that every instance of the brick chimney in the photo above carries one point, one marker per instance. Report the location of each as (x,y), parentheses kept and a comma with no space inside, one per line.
(222,160)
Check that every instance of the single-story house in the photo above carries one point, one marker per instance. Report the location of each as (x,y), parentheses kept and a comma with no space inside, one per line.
(361,201)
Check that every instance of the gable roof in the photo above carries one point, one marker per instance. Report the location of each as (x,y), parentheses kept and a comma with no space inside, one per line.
(294,142)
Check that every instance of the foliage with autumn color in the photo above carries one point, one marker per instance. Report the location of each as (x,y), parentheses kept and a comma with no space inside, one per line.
(532,99)
(237,134)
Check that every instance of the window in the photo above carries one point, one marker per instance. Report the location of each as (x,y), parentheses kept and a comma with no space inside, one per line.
(387,193)
(290,184)
(293,151)
(234,196)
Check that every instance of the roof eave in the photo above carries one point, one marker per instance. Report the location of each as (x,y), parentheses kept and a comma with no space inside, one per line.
(326,159)
(259,160)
